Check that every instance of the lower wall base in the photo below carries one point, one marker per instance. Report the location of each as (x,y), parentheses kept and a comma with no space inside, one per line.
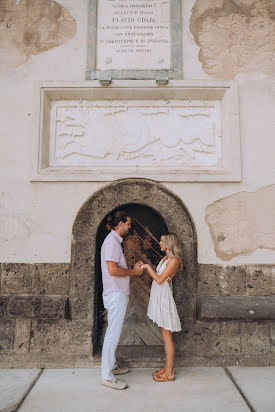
(87,361)
(37,330)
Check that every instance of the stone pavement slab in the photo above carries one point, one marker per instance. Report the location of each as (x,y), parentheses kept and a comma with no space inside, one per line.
(79,390)
(258,385)
(14,384)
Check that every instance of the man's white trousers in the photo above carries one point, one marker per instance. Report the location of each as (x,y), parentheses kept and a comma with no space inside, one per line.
(116,304)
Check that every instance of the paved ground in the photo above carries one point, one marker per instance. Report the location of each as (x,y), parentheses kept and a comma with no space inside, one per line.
(195,389)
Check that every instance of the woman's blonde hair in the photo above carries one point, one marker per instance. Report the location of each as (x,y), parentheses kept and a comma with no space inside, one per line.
(172,245)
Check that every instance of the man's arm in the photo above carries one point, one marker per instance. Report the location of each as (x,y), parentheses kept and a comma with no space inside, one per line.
(115,270)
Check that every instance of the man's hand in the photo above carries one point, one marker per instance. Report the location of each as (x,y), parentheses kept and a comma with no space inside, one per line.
(115,270)
(138,264)
(137,269)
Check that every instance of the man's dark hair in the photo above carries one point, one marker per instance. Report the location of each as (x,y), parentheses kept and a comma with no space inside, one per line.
(114,219)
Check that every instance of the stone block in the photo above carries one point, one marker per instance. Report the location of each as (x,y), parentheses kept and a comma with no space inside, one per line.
(60,337)
(7,331)
(37,306)
(215,280)
(272,333)
(210,339)
(236,307)
(22,306)
(83,280)
(22,335)
(51,307)
(17,278)
(186,305)
(260,280)
(52,278)
(3,306)
(255,338)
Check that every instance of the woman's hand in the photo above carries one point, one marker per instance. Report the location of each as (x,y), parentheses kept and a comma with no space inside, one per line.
(145,266)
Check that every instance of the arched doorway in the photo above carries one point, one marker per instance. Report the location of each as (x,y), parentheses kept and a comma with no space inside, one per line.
(173,214)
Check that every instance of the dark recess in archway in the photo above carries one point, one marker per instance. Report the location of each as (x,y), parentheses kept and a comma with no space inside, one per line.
(141,243)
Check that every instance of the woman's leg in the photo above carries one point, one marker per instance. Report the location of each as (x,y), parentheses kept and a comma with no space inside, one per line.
(169,349)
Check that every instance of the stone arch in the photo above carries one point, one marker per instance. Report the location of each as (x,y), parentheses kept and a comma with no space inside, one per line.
(88,219)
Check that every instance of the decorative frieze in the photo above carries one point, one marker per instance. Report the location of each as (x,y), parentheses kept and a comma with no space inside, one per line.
(144,133)
(185,131)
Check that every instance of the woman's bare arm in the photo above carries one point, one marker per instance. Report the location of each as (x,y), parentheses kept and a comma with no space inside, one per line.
(169,272)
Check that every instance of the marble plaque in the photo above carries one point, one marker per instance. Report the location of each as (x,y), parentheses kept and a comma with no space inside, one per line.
(133,35)
(135,133)
(134,39)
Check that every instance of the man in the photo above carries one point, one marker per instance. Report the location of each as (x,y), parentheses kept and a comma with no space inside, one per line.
(116,279)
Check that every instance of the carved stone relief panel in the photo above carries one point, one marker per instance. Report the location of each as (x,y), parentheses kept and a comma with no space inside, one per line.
(135,133)
(185,131)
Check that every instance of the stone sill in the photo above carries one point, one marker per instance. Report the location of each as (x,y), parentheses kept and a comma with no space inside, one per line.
(249,308)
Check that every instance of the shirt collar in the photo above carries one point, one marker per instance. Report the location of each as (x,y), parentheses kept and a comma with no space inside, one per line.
(117,236)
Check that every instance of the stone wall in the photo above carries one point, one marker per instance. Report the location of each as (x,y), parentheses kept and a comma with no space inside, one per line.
(37,329)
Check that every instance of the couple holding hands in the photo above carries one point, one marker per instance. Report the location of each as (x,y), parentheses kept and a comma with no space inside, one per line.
(161,308)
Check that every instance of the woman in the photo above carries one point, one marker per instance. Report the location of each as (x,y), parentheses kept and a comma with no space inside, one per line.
(162,308)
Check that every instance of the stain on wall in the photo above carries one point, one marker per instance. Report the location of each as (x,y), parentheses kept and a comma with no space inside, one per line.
(242,223)
(30,27)
(235,36)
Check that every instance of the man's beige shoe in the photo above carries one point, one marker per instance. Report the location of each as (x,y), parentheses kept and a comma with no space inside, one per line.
(114,384)
(120,371)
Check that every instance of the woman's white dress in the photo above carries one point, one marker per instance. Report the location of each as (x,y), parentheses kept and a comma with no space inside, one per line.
(162,308)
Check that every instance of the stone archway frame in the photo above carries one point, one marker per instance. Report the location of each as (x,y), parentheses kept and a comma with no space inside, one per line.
(88,219)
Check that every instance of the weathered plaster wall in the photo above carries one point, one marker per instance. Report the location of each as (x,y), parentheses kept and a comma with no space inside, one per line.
(30,27)
(237,227)
(36,218)
(235,36)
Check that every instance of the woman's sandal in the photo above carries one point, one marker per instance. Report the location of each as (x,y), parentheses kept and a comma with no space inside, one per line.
(157,372)
(163,377)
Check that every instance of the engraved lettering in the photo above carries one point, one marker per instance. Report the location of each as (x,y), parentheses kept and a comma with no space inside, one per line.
(122,23)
